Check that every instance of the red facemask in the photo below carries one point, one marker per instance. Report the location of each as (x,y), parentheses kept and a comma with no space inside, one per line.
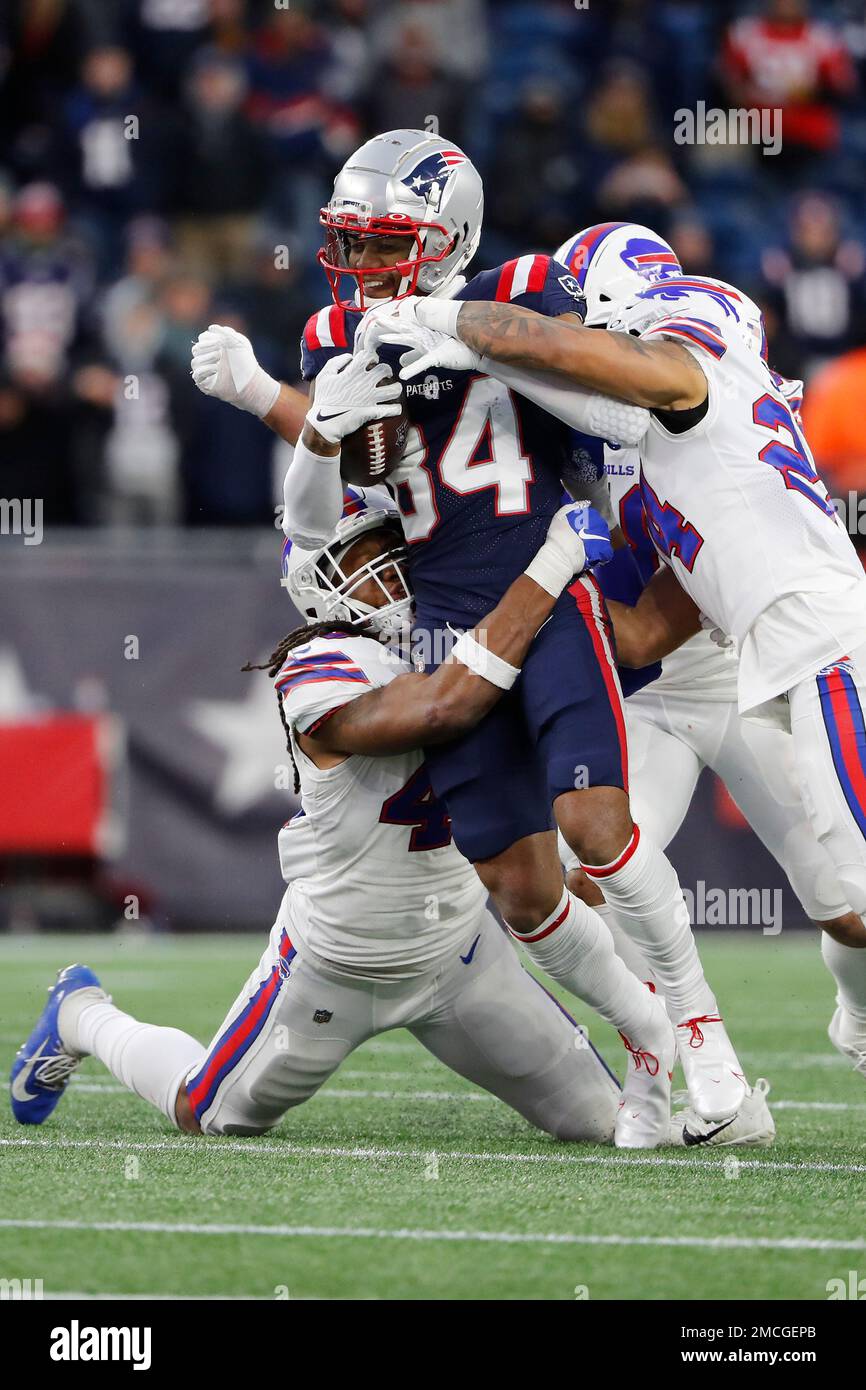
(334,255)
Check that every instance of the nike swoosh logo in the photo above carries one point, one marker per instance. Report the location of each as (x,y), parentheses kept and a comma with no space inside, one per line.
(19,1085)
(690,1139)
(334,415)
(467,958)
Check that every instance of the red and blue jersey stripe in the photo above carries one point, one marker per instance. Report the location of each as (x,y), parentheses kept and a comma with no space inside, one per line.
(699,331)
(846,732)
(240,1035)
(319,666)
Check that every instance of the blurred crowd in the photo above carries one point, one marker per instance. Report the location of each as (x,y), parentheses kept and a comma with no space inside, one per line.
(163,162)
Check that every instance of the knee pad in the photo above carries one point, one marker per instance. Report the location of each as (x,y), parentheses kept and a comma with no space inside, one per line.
(852,879)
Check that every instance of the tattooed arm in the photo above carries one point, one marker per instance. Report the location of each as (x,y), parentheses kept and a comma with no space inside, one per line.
(659,375)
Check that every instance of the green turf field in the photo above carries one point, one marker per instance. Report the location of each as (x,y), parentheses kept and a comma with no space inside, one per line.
(398,1181)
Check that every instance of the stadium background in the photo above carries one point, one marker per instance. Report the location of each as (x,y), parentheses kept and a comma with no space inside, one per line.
(143,774)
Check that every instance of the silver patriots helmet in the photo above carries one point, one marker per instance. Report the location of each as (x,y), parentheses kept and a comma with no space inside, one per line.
(404,183)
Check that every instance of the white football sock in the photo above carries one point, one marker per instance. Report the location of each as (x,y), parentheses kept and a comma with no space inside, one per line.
(626,949)
(847,965)
(151,1061)
(642,887)
(574,947)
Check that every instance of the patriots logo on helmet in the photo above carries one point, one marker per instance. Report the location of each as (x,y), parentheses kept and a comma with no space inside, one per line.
(651,259)
(429,178)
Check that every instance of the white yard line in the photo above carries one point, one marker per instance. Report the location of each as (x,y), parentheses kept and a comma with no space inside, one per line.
(75,1296)
(816,1105)
(190,1228)
(356,1093)
(255,1148)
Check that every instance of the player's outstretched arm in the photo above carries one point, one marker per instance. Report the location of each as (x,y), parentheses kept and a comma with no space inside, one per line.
(416,710)
(288,413)
(660,375)
(591,412)
(662,619)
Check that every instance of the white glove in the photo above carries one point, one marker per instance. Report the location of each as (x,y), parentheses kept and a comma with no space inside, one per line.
(350,392)
(224,366)
(431,350)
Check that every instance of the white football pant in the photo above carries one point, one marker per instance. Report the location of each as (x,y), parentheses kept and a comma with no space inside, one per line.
(478,1011)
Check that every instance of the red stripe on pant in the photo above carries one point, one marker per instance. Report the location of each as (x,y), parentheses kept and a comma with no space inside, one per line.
(851,753)
(235,1042)
(599,632)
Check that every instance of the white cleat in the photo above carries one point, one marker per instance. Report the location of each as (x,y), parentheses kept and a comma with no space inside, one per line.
(752,1124)
(848,1036)
(714,1077)
(644,1117)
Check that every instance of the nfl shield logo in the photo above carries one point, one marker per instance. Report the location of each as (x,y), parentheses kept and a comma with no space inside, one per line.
(323,1015)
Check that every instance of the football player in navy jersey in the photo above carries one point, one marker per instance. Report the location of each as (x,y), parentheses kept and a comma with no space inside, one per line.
(481,478)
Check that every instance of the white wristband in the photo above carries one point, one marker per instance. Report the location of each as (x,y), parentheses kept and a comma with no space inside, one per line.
(439,314)
(552,569)
(484,662)
(260,394)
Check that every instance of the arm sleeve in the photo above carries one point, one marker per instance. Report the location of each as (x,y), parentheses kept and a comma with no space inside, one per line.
(580,409)
(545,285)
(312,487)
(312,497)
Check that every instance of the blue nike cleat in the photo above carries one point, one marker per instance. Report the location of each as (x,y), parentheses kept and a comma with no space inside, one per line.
(43,1066)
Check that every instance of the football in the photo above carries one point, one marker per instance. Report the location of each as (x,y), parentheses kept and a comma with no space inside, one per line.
(373,451)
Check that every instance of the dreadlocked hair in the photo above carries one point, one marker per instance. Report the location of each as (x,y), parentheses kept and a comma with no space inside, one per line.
(299,637)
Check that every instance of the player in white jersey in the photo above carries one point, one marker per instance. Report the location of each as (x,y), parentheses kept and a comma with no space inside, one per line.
(386,926)
(735,507)
(687,718)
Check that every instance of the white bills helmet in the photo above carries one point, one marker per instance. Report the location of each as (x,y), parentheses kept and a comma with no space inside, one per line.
(612,262)
(720,303)
(404,183)
(321,589)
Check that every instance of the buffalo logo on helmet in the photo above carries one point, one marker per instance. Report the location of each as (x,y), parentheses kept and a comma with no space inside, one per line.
(682,287)
(429,178)
(651,259)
